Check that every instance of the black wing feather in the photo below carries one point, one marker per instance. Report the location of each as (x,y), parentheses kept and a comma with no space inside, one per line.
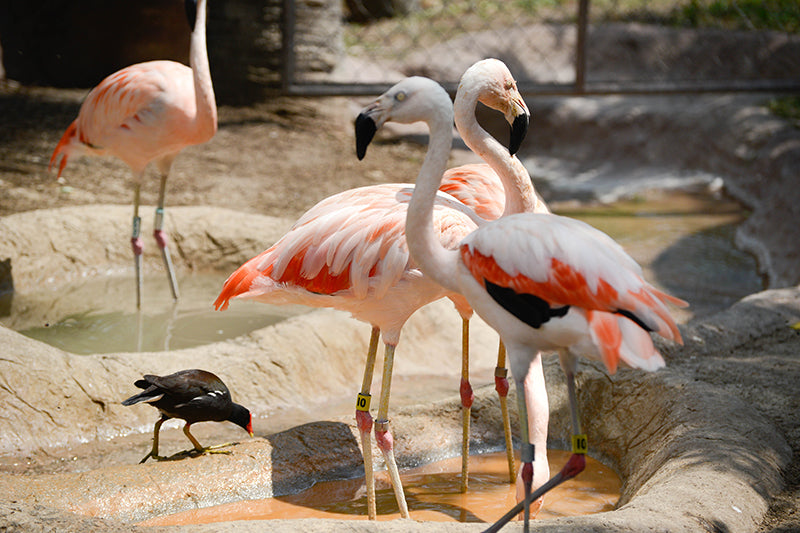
(529,308)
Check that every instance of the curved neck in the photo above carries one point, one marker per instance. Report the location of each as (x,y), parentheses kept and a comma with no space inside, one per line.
(520,196)
(206,117)
(434,259)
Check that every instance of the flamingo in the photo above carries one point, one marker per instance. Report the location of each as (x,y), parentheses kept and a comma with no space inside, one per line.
(148,112)
(486,80)
(542,281)
(520,197)
(348,252)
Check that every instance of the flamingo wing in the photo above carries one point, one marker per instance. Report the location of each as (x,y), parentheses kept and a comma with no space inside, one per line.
(132,98)
(353,241)
(478,187)
(538,265)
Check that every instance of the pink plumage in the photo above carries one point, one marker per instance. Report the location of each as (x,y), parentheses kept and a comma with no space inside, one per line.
(142,113)
(349,252)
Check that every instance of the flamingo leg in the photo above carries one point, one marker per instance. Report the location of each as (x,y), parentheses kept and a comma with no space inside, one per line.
(383,436)
(527,451)
(154,450)
(136,243)
(364,421)
(501,386)
(575,464)
(161,237)
(467,397)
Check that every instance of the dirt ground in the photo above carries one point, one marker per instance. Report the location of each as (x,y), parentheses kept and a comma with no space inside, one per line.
(280,157)
(298,151)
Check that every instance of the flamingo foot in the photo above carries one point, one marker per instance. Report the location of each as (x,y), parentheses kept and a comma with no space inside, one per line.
(575,465)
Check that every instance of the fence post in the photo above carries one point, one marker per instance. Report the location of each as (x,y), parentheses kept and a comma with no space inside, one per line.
(580,47)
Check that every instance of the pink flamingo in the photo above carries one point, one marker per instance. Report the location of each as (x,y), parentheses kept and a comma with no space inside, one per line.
(520,197)
(349,252)
(148,112)
(544,282)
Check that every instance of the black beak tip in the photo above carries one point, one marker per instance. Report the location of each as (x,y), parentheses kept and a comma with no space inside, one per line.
(191,12)
(365,131)
(519,129)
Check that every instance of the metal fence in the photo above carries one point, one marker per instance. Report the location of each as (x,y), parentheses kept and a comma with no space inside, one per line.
(551,46)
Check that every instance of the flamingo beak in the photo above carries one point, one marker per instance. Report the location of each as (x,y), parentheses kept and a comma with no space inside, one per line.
(191,12)
(367,123)
(365,131)
(519,118)
(519,128)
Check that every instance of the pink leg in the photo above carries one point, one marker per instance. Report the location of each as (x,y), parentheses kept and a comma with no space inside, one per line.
(137,245)
(467,397)
(364,422)
(575,464)
(382,435)
(501,386)
(162,240)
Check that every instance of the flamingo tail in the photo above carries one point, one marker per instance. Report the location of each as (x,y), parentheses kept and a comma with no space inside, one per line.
(237,283)
(64,147)
(619,339)
(655,314)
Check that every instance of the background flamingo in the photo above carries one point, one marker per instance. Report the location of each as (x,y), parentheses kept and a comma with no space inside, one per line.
(542,281)
(148,112)
(349,252)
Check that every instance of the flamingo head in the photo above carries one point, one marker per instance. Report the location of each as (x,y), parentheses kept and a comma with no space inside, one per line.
(411,100)
(495,87)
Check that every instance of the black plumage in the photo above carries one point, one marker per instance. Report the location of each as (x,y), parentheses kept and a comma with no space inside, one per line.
(529,308)
(192,395)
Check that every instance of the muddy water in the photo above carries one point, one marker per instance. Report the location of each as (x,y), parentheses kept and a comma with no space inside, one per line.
(432,492)
(684,241)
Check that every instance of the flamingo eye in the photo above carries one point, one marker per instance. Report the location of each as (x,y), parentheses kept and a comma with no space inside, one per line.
(400,96)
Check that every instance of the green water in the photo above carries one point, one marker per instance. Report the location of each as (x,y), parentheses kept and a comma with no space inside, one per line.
(98,315)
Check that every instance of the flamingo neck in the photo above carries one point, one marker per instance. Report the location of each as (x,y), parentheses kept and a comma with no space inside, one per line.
(206,118)
(434,260)
(520,196)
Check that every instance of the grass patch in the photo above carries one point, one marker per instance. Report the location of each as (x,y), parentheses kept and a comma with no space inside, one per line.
(787,107)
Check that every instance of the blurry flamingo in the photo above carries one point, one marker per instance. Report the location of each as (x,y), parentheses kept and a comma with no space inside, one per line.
(544,282)
(148,112)
(349,252)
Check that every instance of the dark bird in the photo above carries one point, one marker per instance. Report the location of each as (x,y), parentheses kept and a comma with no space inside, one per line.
(191,395)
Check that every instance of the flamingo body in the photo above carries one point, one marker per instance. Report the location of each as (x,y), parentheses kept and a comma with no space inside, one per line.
(559,277)
(142,113)
(349,252)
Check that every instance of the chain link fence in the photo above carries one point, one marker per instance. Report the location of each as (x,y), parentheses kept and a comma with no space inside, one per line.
(552,46)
